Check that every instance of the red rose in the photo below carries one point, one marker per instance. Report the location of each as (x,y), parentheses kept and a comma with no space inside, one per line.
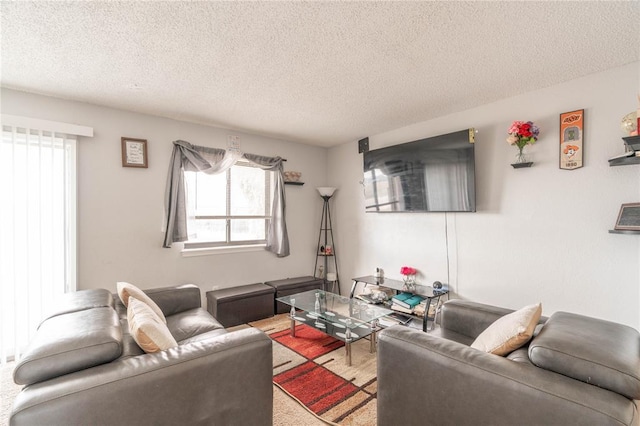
(408,270)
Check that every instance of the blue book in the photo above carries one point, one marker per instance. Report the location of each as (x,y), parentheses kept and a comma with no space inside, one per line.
(401,297)
(408,302)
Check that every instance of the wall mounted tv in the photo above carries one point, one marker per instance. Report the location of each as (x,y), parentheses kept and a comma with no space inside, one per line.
(428,175)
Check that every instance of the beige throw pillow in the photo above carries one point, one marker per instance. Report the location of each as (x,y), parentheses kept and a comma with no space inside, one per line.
(125,290)
(510,332)
(149,332)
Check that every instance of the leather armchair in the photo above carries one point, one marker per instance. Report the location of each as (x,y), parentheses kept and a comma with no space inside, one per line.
(438,379)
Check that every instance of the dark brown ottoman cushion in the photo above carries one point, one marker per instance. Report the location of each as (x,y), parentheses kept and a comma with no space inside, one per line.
(239,305)
(293,286)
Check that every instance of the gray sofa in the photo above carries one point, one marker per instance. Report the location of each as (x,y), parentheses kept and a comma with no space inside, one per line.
(84,368)
(576,370)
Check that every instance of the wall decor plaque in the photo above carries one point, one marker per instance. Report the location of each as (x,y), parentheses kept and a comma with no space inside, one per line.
(571,139)
(134,152)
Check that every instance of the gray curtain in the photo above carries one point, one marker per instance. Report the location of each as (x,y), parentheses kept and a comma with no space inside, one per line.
(192,158)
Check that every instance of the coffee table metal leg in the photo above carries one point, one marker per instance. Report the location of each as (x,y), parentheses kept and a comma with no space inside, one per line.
(293,327)
(374,336)
(347,341)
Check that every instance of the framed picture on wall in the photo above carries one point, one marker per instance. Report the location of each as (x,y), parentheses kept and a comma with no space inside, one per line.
(571,139)
(134,152)
(629,217)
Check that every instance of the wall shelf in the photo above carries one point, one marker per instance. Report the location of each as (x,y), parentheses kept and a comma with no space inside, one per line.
(631,142)
(624,161)
(294,183)
(521,165)
(624,231)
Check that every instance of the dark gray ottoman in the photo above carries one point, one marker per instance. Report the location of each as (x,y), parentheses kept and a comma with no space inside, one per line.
(292,286)
(239,305)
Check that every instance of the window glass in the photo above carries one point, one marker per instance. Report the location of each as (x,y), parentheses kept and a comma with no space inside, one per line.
(247,191)
(212,230)
(37,230)
(231,208)
(211,194)
(248,229)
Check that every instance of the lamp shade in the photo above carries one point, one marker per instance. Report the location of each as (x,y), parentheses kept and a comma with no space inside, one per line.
(326,191)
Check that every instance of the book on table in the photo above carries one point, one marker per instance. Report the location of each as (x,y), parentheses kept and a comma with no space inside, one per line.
(401,297)
(407,300)
(399,308)
(394,318)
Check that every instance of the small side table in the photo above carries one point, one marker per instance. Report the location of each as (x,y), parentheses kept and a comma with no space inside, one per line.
(429,293)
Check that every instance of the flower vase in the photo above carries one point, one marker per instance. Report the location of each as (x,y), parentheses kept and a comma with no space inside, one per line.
(521,159)
(409,283)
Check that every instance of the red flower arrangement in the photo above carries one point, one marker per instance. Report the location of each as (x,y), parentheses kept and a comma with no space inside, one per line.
(522,133)
(409,279)
(408,270)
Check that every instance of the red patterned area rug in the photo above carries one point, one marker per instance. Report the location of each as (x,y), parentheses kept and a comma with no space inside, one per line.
(311,368)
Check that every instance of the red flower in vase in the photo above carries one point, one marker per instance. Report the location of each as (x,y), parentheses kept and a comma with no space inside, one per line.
(408,270)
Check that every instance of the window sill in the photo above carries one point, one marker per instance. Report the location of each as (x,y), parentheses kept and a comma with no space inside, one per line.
(221,250)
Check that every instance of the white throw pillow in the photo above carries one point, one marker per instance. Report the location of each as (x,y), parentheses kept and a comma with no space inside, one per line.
(509,332)
(125,290)
(149,332)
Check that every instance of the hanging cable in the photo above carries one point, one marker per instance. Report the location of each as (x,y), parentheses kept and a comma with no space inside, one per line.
(446,238)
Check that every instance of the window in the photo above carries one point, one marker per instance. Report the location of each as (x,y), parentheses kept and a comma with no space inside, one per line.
(37,225)
(229,209)
(181,216)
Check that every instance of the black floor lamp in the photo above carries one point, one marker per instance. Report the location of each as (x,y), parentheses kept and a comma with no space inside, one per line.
(326,247)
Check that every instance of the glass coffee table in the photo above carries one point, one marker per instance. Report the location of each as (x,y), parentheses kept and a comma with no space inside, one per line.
(338,316)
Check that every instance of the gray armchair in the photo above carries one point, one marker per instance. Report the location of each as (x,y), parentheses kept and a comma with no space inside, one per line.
(587,373)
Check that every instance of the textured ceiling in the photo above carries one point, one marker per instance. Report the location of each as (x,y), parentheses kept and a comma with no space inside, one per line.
(321,73)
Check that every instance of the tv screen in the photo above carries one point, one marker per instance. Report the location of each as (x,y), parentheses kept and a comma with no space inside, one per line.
(428,175)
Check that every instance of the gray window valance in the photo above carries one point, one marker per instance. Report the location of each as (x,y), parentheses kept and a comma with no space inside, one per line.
(193,158)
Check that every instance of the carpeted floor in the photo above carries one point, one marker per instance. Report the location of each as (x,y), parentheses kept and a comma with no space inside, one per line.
(311,368)
(8,391)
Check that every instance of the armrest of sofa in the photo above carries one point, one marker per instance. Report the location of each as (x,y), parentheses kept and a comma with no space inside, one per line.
(223,380)
(426,379)
(471,318)
(173,300)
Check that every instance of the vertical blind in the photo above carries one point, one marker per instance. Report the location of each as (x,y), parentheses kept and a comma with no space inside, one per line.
(37,230)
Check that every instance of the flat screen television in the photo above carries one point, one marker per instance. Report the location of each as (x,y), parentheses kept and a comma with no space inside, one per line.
(435,174)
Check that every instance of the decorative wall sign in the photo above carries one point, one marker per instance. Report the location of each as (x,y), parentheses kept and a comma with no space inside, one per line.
(134,152)
(629,217)
(571,139)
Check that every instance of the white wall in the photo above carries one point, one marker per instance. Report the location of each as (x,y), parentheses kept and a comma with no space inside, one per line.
(540,234)
(120,209)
